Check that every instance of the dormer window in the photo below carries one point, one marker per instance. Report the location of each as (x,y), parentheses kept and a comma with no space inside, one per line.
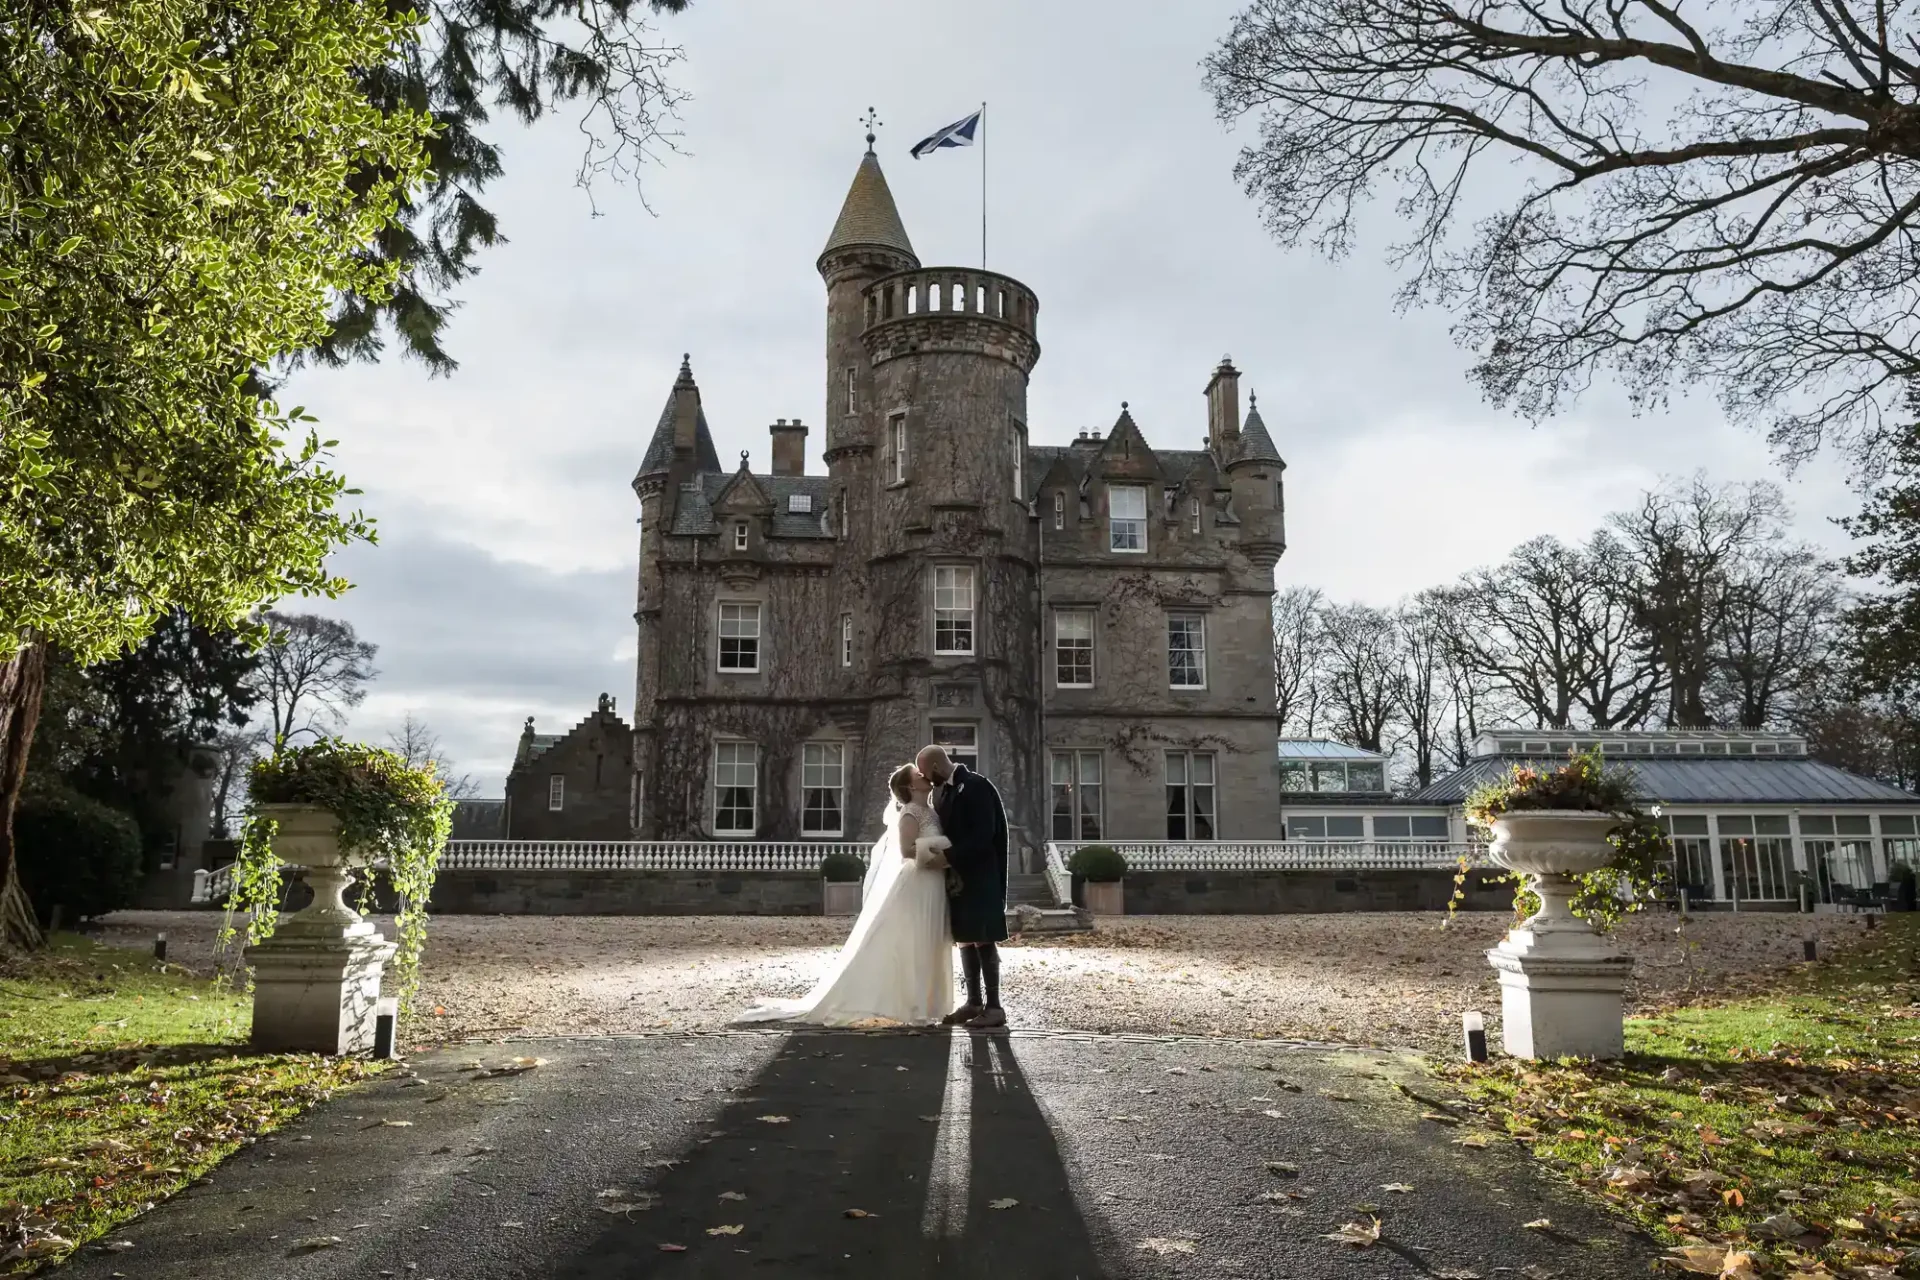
(1127,518)
(739,535)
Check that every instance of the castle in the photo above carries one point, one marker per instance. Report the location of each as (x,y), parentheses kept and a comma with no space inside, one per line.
(1088,624)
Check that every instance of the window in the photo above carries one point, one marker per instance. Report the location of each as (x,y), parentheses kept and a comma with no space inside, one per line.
(1190,795)
(1309,827)
(799,504)
(1385,828)
(1073,648)
(1127,518)
(739,637)
(1431,827)
(1367,777)
(1187,651)
(1295,775)
(1076,795)
(1329,777)
(822,783)
(636,803)
(953,608)
(1059,510)
(897,446)
(843,515)
(961,742)
(735,787)
(1193,512)
(1755,856)
(846,639)
(853,398)
(556,792)
(739,535)
(1323,827)
(1018,441)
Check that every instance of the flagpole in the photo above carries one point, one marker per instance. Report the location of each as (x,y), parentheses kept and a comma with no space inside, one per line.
(983,185)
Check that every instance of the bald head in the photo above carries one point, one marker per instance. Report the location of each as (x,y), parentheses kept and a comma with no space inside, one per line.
(933,763)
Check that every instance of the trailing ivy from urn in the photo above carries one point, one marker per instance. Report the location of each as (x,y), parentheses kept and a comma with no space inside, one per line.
(1584,784)
(392,815)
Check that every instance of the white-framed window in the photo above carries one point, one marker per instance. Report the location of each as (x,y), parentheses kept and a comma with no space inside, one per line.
(1190,795)
(739,635)
(823,771)
(961,742)
(736,788)
(1186,651)
(1073,648)
(1076,795)
(846,639)
(799,504)
(556,792)
(739,535)
(897,446)
(1059,510)
(1193,511)
(953,609)
(1127,518)
(853,395)
(1017,441)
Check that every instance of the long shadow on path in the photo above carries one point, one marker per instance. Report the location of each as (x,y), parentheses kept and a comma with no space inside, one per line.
(920,1136)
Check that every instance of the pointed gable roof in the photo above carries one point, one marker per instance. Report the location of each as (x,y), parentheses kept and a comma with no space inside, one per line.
(1255,444)
(869,216)
(1126,454)
(660,448)
(742,492)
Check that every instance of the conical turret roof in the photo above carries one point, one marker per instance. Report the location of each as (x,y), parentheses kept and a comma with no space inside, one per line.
(869,216)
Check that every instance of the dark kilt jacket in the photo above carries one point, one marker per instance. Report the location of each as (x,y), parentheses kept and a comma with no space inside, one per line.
(973,818)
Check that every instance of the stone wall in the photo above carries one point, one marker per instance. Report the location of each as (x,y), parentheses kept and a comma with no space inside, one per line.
(627,893)
(1300,892)
(596,759)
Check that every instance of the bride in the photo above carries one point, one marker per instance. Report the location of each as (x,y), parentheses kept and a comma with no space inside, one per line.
(897,964)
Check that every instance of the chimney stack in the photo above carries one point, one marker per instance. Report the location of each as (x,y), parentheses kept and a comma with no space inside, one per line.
(1223,406)
(686,411)
(789,447)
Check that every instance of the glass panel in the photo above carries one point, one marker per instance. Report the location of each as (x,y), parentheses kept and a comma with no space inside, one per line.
(1693,868)
(1736,824)
(1203,798)
(1902,852)
(734,783)
(1329,777)
(1176,767)
(1306,828)
(1816,824)
(1090,824)
(1127,517)
(1366,777)
(1853,824)
(1688,824)
(1431,827)
(1186,652)
(1203,770)
(1062,796)
(1772,824)
(739,637)
(1345,828)
(953,608)
(1073,648)
(1295,776)
(1892,824)
(1385,828)
(821,776)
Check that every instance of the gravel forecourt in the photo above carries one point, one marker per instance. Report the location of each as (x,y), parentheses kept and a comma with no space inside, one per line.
(1393,980)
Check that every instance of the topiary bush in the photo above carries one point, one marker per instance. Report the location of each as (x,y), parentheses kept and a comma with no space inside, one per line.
(842,868)
(76,853)
(1098,864)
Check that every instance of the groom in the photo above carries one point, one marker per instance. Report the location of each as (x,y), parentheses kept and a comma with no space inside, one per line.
(973,819)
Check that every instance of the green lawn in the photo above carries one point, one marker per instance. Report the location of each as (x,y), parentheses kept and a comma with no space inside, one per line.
(122,1079)
(1772,1136)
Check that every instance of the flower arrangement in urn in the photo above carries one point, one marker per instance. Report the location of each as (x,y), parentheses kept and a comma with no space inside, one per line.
(1579,824)
(333,807)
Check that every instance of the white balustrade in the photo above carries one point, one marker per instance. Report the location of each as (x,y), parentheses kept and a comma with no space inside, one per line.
(1058,877)
(635,855)
(1288,855)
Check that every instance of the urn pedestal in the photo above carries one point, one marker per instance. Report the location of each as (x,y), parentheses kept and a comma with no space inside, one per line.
(1560,983)
(316,981)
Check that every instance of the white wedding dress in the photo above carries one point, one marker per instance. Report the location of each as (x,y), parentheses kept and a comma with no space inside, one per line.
(897,964)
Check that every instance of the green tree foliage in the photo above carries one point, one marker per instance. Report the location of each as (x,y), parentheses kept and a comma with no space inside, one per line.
(1886,625)
(527,57)
(76,853)
(185,188)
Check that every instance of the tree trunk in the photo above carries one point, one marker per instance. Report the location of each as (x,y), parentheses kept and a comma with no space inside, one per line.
(21,679)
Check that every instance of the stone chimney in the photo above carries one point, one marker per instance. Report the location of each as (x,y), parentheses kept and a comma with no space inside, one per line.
(686,411)
(1223,407)
(789,447)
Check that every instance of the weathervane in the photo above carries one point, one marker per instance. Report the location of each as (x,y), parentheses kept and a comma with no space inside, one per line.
(872,121)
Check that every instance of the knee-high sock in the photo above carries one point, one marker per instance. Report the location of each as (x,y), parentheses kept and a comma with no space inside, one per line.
(970,965)
(990,970)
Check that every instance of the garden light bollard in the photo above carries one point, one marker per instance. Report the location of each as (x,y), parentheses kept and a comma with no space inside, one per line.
(386,1015)
(1813,948)
(160,946)
(1473,1026)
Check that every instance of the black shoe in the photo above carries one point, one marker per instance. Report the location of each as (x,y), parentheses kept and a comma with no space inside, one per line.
(965,1013)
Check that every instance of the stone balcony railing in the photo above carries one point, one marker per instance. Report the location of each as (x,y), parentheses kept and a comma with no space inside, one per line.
(951,291)
(1287,855)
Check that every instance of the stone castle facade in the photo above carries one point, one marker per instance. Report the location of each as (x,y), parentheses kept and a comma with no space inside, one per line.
(1088,623)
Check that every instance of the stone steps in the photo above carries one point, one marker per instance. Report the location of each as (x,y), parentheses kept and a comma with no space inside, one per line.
(1030,889)
(1031,920)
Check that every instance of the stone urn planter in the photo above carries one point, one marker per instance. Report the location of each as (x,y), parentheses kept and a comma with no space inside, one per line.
(1106,897)
(316,981)
(1560,982)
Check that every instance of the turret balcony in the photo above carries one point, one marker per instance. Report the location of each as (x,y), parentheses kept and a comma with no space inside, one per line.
(951,309)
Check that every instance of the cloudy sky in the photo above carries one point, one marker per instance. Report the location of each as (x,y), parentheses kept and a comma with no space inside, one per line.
(502,586)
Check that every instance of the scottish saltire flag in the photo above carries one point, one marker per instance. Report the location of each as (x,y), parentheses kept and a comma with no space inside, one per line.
(957,134)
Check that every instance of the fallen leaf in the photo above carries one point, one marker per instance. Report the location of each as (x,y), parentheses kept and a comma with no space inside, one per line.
(309,1244)
(1439,1117)
(1538,1224)
(673,1248)
(1163,1246)
(858,1213)
(1781,1226)
(1281,1169)
(732,1230)
(1359,1235)
(1456,1273)
(1007,1203)
(1274,1115)
(732,1195)
(776,1119)
(1399,1188)
(1474,1140)
(620,1200)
